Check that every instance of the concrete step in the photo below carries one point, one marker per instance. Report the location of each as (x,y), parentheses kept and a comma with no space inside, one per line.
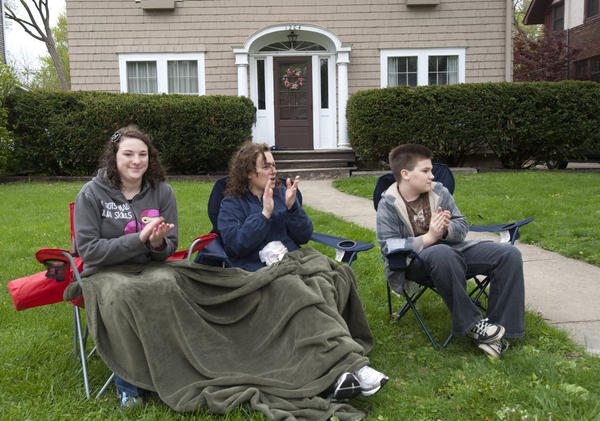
(317,154)
(316,173)
(283,164)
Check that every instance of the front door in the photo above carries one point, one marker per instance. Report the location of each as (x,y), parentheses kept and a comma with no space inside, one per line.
(293,102)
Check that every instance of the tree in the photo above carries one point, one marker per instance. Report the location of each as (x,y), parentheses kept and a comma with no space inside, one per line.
(537,56)
(545,58)
(47,77)
(38,26)
(8,83)
(530,31)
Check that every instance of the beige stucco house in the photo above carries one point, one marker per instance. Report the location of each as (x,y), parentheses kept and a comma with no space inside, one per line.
(298,61)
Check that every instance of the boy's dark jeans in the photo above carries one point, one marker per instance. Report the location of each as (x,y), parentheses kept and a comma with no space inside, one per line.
(447,268)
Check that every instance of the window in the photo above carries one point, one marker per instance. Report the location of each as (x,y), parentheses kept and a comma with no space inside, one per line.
(183,77)
(412,67)
(173,73)
(260,70)
(402,71)
(324,83)
(592,8)
(443,70)
(581,69)
(588,69)
(141,77)
(595,69)
(558,17)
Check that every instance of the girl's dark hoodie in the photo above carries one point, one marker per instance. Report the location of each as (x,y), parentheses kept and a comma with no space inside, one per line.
(107,225)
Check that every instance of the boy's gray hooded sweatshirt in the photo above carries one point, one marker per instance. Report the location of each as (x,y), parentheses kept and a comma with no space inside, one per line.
(107,225)
(394,230)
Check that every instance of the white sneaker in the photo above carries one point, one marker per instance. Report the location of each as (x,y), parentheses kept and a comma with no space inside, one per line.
(486,332)
(494,349)
(371,381)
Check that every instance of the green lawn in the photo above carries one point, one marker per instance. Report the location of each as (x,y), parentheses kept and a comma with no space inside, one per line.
(544,376)
(566,206)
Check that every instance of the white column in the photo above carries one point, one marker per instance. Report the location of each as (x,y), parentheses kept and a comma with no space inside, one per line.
(343,58)
(241,61)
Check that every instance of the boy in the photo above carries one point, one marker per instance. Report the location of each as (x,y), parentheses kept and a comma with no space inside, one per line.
(418,213)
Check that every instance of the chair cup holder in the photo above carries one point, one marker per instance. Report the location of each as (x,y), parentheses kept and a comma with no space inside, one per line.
(56,270)
(346,244)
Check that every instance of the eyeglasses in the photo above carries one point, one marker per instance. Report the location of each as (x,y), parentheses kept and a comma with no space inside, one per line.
(268,167)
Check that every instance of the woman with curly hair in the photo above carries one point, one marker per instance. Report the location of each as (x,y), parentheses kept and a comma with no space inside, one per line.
(258,209)
(126,214)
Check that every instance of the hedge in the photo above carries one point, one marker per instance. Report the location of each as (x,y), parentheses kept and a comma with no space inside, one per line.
(63,133)
(519,122)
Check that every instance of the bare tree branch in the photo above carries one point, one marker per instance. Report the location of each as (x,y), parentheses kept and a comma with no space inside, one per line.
(41,32)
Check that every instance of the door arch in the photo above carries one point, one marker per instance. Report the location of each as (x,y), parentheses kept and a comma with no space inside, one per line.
(325,56)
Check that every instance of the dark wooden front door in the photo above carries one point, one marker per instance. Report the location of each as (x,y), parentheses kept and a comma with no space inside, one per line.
(293,102)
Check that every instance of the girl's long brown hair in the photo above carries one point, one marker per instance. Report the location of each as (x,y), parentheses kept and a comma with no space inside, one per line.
(155,172)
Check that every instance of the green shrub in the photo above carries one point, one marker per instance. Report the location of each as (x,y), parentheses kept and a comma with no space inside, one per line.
(63,133)
(519,122)
(8,83)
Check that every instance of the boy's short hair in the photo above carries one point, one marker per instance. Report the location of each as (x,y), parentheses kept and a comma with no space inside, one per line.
(405,157)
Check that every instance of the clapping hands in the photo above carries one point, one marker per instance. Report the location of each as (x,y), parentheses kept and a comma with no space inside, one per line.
(155,232)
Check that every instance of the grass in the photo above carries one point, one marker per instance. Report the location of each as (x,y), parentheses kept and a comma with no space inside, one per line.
(566,206)
(543,376)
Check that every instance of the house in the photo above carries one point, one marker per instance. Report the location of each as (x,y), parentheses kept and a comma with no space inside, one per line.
(580,21)
(297,61)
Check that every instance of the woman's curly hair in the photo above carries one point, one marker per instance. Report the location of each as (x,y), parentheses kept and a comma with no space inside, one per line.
(242,164)
(155,172)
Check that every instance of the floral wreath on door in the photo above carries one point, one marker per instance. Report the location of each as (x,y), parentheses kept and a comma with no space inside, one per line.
(293,77)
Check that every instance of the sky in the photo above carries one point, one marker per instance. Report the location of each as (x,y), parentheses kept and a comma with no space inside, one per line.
(21,48)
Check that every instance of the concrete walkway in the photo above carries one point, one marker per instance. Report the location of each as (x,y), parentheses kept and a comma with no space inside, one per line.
(565,291)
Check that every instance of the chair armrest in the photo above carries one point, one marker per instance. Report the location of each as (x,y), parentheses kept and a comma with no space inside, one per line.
(350,248)
(512,228)
(398,259)
(49,257)
(200,243)
(213,254)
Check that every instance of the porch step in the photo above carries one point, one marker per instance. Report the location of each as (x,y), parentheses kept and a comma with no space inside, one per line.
(314,154)
(314,164)
(284,164)
(316,173)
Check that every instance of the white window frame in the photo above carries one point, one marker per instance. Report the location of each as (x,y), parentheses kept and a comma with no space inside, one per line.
(161,60)
(422,55)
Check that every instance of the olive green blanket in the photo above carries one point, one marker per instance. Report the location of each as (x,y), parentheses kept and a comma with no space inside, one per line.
(213,338)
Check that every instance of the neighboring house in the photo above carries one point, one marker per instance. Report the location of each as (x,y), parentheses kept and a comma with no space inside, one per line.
(580,20)
(297,61)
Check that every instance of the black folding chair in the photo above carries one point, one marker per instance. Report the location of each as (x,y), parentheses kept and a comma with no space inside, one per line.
(397,259)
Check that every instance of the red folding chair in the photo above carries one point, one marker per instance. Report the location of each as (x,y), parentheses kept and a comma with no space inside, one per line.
(47,287)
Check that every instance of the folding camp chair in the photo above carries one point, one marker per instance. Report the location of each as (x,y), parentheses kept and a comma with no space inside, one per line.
(214,254)
(62,267)
(397,259)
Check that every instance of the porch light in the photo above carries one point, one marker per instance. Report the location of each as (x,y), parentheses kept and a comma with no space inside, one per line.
(292,36)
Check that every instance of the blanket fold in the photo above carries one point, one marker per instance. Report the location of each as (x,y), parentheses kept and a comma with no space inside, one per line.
(215,338)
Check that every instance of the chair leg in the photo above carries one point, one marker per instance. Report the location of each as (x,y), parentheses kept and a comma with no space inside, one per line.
(414,297)
(82,356)
(389,298)
(414,309)
(480,289)
(110,379)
